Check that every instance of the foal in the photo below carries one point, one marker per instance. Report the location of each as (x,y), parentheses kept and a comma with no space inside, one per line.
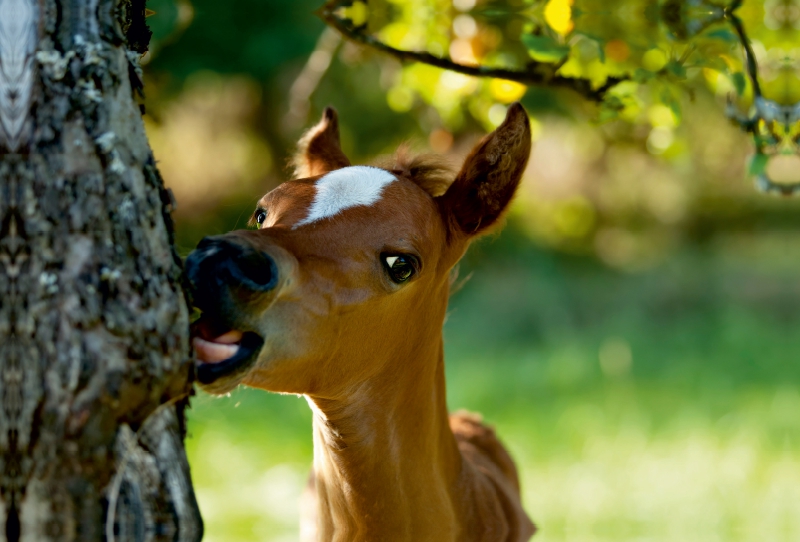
(340,295)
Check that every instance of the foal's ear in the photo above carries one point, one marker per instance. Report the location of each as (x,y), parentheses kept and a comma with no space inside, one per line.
(490,175)
(319,151)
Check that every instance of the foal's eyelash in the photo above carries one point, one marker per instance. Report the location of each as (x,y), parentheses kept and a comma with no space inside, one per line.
(253,221)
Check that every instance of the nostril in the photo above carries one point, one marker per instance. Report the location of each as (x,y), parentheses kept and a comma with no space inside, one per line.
(218,262)
(254,269)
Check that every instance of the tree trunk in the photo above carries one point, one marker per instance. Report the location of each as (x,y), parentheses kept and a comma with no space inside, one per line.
(94,351)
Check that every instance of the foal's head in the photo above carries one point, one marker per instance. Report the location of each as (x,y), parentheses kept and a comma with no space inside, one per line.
(348,273)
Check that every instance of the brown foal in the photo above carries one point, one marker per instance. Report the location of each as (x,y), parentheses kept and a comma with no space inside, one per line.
(340,295)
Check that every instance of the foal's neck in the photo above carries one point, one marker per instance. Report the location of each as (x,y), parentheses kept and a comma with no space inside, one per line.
(385,459)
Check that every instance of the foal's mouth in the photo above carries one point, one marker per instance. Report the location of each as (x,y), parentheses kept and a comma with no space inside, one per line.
(222,352)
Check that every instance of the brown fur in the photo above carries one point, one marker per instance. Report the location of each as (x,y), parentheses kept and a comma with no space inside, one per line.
(368,354)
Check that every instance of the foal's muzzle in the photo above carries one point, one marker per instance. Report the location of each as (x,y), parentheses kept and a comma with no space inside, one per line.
(230,282)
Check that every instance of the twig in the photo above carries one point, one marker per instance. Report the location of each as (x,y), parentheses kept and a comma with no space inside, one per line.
(750,56)
(535,74)
(309,78)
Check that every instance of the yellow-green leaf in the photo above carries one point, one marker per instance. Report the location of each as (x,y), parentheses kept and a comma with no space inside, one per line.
(545,48)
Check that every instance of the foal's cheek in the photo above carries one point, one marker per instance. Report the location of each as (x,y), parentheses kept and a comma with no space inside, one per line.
(290,355)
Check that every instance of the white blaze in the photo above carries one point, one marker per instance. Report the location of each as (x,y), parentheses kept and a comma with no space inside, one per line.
(344,188)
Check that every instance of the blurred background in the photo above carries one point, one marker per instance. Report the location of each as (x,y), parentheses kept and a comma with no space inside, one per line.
(632,332)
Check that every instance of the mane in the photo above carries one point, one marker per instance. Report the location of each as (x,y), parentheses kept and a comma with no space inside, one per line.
(432,173)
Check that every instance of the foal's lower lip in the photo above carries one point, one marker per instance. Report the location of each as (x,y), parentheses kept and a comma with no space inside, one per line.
(217,360)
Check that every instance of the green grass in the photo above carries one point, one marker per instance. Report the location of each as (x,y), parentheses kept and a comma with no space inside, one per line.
(688,431)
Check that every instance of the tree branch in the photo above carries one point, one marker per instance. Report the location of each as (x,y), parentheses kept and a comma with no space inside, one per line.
(750,56)
(538,74)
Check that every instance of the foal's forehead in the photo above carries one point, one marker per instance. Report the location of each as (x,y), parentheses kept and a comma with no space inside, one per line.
(346,188)
(365,190)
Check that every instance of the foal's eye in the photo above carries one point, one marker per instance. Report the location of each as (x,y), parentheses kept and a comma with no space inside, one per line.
(400,267)
(261,216)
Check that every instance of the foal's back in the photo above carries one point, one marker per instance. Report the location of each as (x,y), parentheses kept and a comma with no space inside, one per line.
(492,489)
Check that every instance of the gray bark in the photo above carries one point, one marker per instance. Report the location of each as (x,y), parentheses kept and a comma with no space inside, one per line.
(95,362)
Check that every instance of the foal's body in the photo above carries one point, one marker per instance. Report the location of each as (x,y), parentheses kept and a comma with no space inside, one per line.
(340,296)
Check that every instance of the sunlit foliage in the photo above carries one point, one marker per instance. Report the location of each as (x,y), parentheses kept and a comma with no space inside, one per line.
(663,52)
(649,61)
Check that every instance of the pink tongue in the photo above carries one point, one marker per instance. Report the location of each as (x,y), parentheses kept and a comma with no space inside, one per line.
(221,348)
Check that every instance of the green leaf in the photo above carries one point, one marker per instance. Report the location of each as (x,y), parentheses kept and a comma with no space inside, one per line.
(600,43)
(612,105)
(607,114)
(758,164)
(676,68)
(723,34)
(545,48)
(640,75)
(713,62)
(623,88)
(601,48)
(739,82)
(764,140)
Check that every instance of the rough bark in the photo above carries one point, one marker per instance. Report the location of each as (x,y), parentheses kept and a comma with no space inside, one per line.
(94,353)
